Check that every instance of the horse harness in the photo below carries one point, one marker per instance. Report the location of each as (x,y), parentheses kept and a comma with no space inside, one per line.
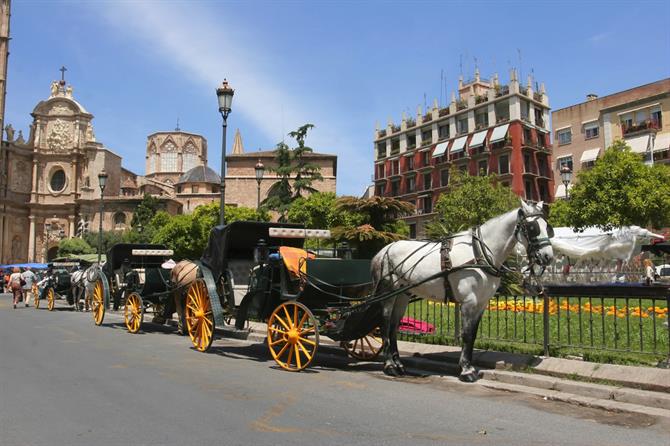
(482,254)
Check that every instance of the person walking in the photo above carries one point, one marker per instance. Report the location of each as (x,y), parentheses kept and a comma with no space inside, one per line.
(15,284)
(28,279)
(649,271)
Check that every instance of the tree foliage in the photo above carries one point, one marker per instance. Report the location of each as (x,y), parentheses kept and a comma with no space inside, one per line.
(296,174)
(377,223)
(145,211)
(620,190)
(72,246)
(319,211)
(470,201)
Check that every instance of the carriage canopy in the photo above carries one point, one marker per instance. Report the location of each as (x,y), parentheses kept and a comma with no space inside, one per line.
(238,239)
(138,254)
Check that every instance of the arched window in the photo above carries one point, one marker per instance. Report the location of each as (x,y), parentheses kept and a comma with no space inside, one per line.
(169,158)
(119,220)
(189,157)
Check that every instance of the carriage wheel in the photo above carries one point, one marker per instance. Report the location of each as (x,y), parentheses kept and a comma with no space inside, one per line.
(199,316)
(366,348)
(293,336)
(51,299)
(98,302)
(133,312)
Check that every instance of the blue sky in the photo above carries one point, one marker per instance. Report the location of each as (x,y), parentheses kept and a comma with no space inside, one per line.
(137,66)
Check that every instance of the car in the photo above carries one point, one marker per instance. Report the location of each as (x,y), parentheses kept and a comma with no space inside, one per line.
(663,273)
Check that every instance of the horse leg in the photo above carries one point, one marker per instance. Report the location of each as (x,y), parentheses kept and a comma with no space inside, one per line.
(470,318)
(399,310)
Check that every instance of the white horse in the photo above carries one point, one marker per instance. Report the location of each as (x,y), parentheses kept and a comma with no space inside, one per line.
(474,259)
(82,287)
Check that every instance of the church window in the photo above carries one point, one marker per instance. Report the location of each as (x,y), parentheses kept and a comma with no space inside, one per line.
(119,220)
(57,182)
(194,189)
(169,158)
(189,157)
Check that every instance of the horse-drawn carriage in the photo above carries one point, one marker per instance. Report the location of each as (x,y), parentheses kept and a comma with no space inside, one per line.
(262,271)
(132,276)
(63,280)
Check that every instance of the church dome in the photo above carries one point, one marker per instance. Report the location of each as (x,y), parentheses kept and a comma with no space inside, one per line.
(200,174)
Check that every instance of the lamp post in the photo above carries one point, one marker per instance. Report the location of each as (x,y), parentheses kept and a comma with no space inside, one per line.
(566,177)
(260,170)
(225,96)
(102,182)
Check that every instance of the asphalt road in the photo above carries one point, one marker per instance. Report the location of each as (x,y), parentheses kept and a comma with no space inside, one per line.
(64,381)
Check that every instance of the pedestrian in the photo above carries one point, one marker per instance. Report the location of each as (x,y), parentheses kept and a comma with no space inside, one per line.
(8,287)
(28,279)
(649,271)
(15,281)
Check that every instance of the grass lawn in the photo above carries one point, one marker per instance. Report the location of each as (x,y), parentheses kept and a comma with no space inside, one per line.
(600,329)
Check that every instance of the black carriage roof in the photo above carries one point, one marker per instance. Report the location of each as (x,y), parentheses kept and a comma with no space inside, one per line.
(121,251)
(238,239)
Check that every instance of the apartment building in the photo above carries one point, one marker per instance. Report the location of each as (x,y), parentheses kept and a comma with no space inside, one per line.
(489,127)
(583,131)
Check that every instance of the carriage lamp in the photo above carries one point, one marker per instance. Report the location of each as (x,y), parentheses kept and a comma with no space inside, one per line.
(261,252)
(566,177)
(102,182)
(260,171)
(225,96)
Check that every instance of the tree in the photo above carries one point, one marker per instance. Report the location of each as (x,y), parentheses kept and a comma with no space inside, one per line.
(145,211)
(559,213)
(73,246)
(377,223)
(319,211)
(470,201)
(291,163)
(620,190)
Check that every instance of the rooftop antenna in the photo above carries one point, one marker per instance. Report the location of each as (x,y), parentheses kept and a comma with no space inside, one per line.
(460,63)
(177,129)
(476,64)
(441,84)
(520,64)
(425,104)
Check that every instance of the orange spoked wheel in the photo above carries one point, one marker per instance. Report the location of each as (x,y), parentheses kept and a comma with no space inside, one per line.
(133,312)
(98,302)
(36,295)
(366,348)
(51,299)
(293,336)
(199,316)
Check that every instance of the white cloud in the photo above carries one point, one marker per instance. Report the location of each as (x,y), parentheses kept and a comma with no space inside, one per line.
(203,51)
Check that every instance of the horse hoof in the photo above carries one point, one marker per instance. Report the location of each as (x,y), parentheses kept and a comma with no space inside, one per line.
(469,377)
(391,371)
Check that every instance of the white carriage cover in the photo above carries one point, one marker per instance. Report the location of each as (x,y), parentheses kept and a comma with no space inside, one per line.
(595,244)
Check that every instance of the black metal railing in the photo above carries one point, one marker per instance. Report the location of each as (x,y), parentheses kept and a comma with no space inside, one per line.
(567,319)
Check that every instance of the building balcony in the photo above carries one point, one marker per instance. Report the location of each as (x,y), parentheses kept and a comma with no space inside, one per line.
(537,96)
(502,90)
(482,150)
(395,128)
(382,133)
(461,104)
(480,99)
(443,112)
(645,126)
(427,117)
(410,122)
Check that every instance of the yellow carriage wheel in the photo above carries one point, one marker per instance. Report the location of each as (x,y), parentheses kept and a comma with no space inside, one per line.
(199,316)
(293,336)
(366,348)
(98,302)
(51,299)
(133,312)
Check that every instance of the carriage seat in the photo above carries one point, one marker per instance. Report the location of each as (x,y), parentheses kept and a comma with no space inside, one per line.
(239,273)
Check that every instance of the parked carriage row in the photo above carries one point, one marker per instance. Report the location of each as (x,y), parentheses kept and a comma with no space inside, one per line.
(249,270)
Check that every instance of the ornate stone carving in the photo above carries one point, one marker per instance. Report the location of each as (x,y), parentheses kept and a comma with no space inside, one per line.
(60,137)
(60,109)
(16,247)
(10,133)
(90,136)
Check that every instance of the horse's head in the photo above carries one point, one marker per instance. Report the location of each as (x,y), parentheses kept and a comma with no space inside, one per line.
(534,233)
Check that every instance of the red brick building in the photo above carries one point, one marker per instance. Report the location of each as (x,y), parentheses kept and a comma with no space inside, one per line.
(490,128)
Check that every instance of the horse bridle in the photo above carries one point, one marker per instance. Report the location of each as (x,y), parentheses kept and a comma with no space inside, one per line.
(531,232)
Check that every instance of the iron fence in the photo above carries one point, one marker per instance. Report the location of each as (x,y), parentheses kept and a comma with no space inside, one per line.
(610,318)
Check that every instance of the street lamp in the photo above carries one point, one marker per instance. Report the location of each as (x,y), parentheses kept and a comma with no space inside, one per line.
(566,177)
(260,170)
(102,182)
(225,97)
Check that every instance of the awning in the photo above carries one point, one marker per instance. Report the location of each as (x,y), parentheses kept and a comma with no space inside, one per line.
(459,144)
(589,155)
(662,142)
(440,149)
(499,133)
(478,139)
(639,143)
